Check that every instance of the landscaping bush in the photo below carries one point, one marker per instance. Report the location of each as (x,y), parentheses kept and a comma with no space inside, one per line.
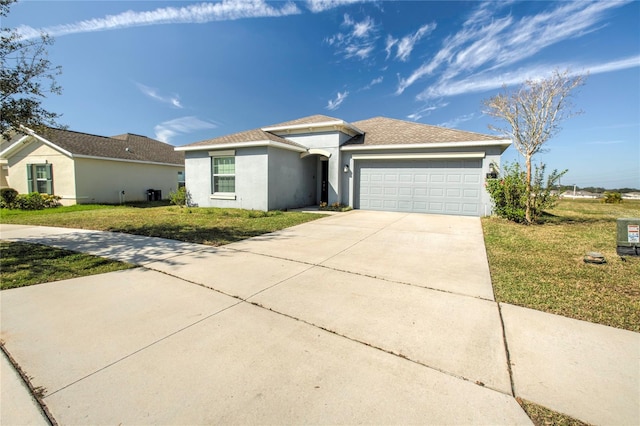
(36,201)
(612,198)
(509,192)
(32,201)
(51,201)
(7,197)
(181,197)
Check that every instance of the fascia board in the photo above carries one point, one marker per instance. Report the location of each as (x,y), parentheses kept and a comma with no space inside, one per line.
(422,156)
(155,163)
(237,145)
(503,143)
(14,147)
(303,128)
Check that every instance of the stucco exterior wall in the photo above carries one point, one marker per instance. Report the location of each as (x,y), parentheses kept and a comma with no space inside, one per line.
(292,180)
(102,181)
(330,142)
(251,165)
(491,155)
(36,152)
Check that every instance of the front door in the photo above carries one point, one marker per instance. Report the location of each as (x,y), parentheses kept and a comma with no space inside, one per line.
(324,194)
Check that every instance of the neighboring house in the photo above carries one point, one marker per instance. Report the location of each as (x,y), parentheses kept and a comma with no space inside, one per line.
(85,168)
(375,164)
(579,194)
(631,195)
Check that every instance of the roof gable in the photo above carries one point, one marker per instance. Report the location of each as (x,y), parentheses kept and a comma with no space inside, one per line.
(255,135)
(127,147)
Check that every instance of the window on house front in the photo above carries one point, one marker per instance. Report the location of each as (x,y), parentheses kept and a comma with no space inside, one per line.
(40,178)
(224,174)
(181,179)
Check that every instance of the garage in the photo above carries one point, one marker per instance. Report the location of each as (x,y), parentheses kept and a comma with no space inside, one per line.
(444,186)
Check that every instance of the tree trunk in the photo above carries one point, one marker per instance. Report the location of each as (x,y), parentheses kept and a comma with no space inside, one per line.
(527,212)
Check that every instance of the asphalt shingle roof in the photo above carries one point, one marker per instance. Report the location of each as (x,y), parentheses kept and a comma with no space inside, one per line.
(255,135)
(312,119)
(377,131)
(389,131)
(140,148)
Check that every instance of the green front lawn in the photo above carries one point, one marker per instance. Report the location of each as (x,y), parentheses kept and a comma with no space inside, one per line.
(210,226)
(542,267)
(24,264)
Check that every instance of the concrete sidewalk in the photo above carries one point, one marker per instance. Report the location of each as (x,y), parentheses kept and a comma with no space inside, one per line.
(362,317)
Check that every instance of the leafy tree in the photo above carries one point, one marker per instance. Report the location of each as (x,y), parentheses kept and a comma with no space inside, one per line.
(26,77)
(533,114)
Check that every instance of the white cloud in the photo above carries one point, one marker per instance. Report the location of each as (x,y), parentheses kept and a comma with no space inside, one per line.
(373,82)
(631,62)
(391,41)
(167,130)
(488,42)
(454,123)
(426,110)
(490,80)
(153,94)
(405,44)
(358,41)
(317,6)
(196,13)
(335,103)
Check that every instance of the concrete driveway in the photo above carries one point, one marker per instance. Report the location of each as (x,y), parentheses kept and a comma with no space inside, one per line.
(362,317)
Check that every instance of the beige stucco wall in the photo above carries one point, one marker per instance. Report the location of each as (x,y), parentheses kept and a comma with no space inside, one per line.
(36,152)
(102,181)
(86,180)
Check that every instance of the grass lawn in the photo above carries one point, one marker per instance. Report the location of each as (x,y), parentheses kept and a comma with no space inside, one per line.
(541,266)
(210,226)
(26,264)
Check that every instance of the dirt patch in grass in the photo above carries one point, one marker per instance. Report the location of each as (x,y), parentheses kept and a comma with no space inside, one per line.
(542,266)
(24,264)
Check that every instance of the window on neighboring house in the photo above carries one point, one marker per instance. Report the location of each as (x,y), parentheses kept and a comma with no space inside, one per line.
(180,179)
(40,178)
(224,174)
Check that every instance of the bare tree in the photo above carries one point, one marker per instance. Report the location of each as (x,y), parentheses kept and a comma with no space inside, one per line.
(533,114)
(26,77)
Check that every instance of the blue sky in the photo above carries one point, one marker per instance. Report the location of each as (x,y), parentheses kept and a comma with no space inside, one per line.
(186,71)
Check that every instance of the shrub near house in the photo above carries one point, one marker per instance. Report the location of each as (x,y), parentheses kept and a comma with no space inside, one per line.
(509,193)
(10,199)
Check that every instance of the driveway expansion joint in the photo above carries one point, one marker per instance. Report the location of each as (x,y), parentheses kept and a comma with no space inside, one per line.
(328,330)
(36,393)
(155,342)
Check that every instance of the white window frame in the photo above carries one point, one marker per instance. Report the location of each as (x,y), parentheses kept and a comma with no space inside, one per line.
(222,195)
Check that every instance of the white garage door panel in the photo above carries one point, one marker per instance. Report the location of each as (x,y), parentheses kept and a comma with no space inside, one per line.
(426,186)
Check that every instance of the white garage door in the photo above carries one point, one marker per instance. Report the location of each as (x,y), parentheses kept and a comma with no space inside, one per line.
(424,186)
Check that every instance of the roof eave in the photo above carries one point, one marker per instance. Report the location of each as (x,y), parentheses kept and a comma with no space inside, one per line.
(505,143)
(236,145)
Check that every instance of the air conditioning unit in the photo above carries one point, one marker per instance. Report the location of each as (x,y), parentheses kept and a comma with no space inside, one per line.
(628,239)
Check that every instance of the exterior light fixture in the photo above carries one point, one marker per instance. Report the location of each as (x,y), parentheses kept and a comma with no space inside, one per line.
(346,168)
(493,173)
